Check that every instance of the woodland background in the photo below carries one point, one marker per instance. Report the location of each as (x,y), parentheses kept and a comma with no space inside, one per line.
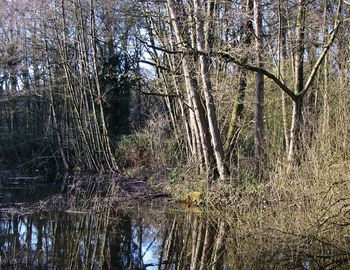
(223,89)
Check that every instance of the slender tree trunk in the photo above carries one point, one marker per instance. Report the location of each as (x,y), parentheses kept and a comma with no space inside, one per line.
(237,110)
(238,106)
(259,77)
(103,134)
(295,132)
(282,65)
(207,86)
(192,90)
(326,109)
(57,131)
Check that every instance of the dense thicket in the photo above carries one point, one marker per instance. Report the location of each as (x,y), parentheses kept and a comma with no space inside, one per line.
(66,75)
(223,85)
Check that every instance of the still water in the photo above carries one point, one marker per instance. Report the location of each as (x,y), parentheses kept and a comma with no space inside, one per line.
(136,238)
(151,238)
(155,237)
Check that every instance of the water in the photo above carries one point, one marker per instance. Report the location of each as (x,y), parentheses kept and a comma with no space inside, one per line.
(137,238)
(17,190)
(155,237)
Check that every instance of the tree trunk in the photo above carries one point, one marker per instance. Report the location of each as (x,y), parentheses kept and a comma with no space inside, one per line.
(295,136)
(192,90)
(242,85)
(326,108)
(207,87)
(57,131)
(282,13)
(295,133)
(237,110)
(103,136)
(259,77)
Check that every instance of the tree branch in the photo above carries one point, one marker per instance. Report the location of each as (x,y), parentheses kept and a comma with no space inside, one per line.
(153,64)
(158,48)
(167,95)
(159,94)
(324,51)
(268,74)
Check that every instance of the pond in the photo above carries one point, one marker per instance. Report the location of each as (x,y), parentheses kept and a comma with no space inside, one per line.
(136,238)
(155,236)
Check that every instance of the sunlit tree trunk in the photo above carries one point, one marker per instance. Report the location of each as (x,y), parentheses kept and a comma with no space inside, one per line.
(326,109)
(192,89)
(282,50)
(203,45)
(295,132)
(259,78)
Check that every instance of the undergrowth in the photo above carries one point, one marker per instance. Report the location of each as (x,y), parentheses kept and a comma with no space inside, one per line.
(306,198)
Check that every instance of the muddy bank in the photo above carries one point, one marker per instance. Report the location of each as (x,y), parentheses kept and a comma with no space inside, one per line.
(23,193)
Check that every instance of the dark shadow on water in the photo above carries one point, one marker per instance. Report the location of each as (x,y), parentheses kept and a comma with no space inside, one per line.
(17,189)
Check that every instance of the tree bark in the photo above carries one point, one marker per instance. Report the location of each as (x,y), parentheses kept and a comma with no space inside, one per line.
(295,136)
(282,37)
(203,46)
(238,106)
(192,89)
(259,77)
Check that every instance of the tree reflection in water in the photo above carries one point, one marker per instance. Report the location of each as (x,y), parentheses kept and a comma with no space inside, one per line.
(115,239)
(151,238)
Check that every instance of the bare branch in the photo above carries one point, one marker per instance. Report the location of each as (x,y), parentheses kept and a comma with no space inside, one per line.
(324,51)
(150,93)
(160,94)
(156,65)
(268,74)
(158,48)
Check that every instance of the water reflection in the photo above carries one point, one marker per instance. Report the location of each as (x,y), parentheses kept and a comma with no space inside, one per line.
(116,239)
(154,238)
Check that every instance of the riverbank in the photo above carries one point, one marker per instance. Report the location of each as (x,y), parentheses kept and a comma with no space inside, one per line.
(22,193)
